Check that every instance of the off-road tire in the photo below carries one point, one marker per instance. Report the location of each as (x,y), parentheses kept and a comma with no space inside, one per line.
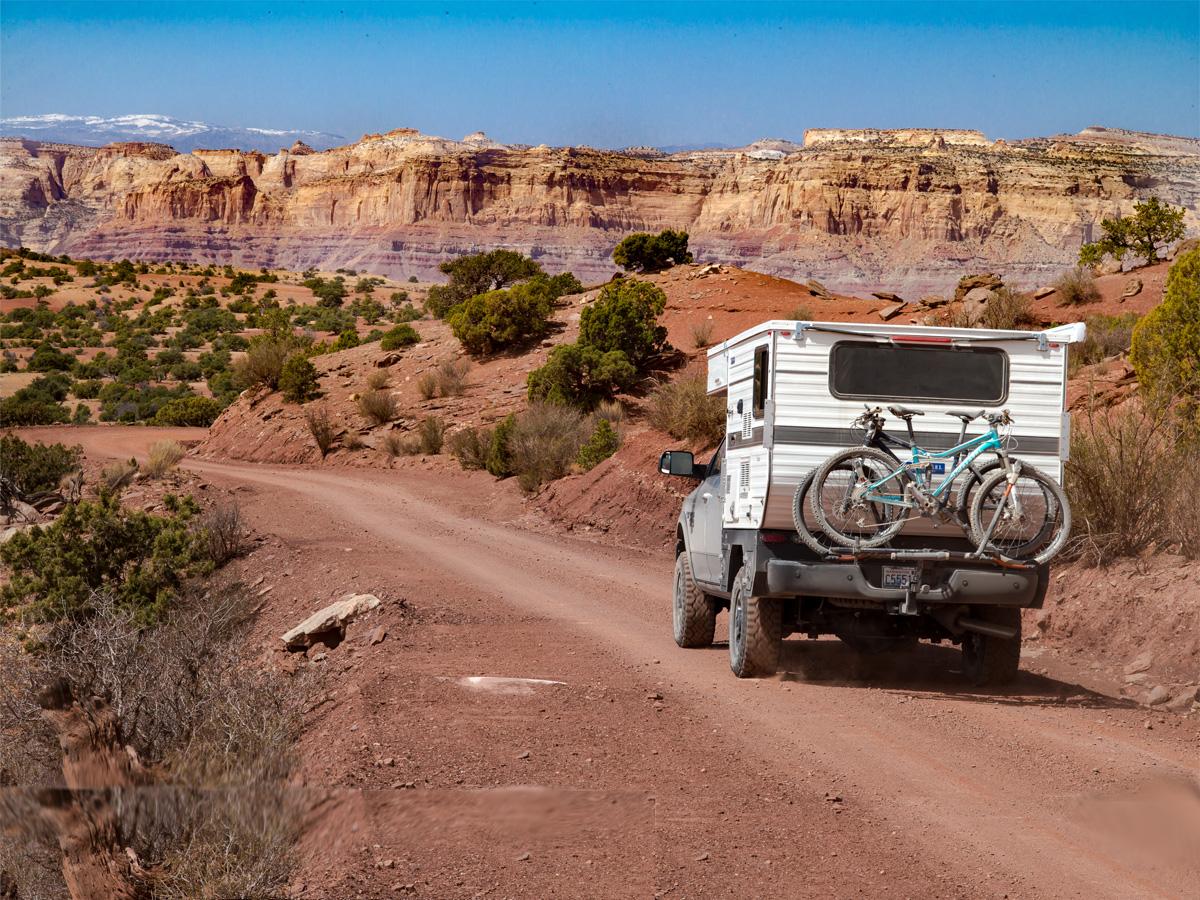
(755,631)
(817,543)
(694,613)
(988,660)
(817,508)
(1045,551)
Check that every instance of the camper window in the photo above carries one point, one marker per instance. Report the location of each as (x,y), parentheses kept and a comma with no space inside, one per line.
(868,371)
(762,370)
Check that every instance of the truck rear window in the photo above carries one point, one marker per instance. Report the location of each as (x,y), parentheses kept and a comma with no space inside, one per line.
(861,370)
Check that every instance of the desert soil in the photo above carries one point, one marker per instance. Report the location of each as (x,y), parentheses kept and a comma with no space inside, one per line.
(644,770)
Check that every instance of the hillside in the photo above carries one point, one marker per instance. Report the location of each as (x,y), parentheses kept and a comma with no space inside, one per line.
(905,210)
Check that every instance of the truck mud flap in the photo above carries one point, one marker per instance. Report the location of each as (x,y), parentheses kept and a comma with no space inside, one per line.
(786,578)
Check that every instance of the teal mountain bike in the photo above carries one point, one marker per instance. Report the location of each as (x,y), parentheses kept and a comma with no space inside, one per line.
(862,497)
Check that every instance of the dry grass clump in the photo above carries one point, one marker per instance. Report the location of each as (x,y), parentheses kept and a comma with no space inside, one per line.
(1006,310)
(684,410)
(224,532)
(377,406)
(470,446)
(452,377)
(118,475)
(394,444)
(262,364)
(427,385)
(702,333)
(162,457)
(321,427)
(544,442)
(431,435)
(1133,484)
(379,379)
(1106,336)
(1076,286)
(612,411)
(801,313)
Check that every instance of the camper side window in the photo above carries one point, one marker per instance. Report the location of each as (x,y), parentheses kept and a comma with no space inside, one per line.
(762,372)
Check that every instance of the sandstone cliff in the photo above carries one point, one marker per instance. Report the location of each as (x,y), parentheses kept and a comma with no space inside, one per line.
(909,209)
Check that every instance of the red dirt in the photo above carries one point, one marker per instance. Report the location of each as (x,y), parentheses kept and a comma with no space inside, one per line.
(839,778)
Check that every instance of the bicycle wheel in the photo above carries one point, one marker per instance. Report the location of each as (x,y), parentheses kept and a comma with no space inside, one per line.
(968,483)
(838,504)
(1029,518)
(818,542)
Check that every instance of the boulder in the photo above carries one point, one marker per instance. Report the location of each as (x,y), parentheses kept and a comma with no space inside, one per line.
(1109,267)
(968,283)
(817,289)
(890,312)
(977,299)
(1140,663)
(1183,247)
(1043,292)
(888,296)
(933,301)
(1132,289)
(710,269)
(1158,696)
(329,622)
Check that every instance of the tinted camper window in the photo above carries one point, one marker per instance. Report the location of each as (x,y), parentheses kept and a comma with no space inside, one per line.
(860,370)
(762,372)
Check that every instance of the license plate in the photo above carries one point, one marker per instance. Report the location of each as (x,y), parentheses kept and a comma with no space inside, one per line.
(897,577)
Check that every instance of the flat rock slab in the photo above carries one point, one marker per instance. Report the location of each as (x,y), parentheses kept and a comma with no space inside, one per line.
(333,619)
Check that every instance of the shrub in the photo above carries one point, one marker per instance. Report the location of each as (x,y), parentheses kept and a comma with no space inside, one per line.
(1132,484)
(625,318)
(347,340)
(602,444)
(431,433)
(162,457)
(489,322)
(138,559)
(1008,310)
(354,441)
(36,467)
(470,446)
(397,444)
(612,410)
(21,410)
(1166,343)
(378,407)
(544,443)
(702,333)
(684,410)
(581,376)
(398,336)
(198,412)
(222,532)
(379,379)
(478,274)
(499,461)
(263,363)
(1076,286)
(1106,336)
(118,475)
(452,377)
(48,358)
(321,427)
(427,385)
(643,252)
(801,313)
(298,379)
(1152,224)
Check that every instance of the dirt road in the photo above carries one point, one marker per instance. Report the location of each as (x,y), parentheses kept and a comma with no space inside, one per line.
(652,771)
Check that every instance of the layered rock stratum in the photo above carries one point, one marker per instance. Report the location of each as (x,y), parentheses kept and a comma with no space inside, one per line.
(907,209)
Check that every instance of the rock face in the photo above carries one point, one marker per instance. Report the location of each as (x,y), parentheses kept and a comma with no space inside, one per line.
(862,210)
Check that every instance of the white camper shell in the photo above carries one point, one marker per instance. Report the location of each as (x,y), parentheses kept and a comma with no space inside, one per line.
(793,388)
(791,391)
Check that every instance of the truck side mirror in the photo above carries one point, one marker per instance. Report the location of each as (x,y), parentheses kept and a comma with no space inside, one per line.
(680,462)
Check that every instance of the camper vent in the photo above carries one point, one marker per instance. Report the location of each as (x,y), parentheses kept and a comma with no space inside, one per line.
(745,476)
(747,425)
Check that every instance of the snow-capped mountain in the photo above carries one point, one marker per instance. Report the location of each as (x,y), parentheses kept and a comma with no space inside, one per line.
(94,131)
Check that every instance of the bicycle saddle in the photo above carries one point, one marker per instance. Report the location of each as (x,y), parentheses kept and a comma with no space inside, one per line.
(903,412)
(964,415)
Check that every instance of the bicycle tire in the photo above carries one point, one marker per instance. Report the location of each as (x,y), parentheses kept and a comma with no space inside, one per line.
(817,505)
(812,541)
(1036,549)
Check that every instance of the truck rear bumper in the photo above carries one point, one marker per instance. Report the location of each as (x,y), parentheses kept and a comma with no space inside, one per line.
(846,580)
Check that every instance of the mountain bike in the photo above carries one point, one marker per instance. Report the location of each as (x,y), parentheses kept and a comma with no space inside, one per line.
(862,497)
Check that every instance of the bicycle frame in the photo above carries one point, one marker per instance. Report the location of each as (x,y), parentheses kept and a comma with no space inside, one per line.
(973,448)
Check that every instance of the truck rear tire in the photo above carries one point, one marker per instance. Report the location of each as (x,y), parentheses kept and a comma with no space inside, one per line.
(755,631)
(991,660)
(693,611)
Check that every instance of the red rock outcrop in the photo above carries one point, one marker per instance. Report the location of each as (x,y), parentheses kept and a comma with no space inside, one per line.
(908,210)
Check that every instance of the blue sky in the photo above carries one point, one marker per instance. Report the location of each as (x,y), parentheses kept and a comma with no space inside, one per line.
(611,74)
